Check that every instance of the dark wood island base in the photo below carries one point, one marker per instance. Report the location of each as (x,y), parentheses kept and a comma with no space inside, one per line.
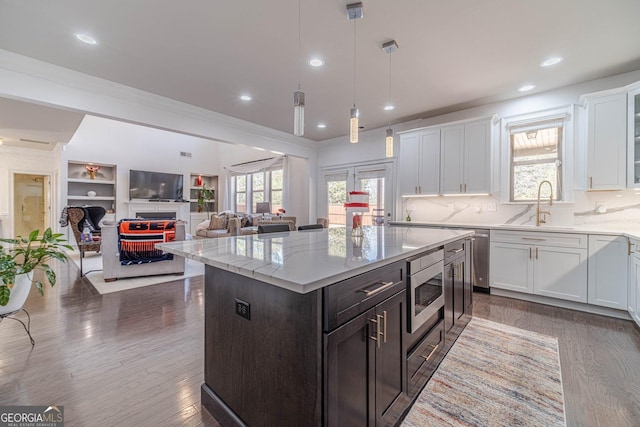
(339,355)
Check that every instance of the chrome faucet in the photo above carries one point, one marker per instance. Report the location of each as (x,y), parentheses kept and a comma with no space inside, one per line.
(540,214)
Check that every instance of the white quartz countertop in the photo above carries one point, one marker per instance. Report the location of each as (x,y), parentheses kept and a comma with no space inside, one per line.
(303,261)
(631,230)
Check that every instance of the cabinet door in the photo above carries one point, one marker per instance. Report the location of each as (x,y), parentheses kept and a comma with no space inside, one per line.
(429,167)
(608,259)
(560,273)
(477,157)
(350,371)
(451,173)
(408,161)
(448,291)
(607,142)
(458,289)
(633,137)
(391,358)
(634,288)
(511,267)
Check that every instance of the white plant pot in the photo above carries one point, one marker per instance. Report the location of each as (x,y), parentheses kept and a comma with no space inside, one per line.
(19,294)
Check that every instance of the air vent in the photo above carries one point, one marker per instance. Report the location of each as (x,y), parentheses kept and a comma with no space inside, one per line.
(35,141)
(185,154)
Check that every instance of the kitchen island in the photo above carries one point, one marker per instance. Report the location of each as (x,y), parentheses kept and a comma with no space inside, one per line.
(308,328)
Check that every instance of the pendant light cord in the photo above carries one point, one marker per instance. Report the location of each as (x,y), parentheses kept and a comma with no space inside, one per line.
(354,63)
(299,45)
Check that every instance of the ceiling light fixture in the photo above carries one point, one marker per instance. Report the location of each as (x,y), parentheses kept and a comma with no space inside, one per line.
(316,62)
(389,47)
(526,88)
(321,126)
(354,12)
(245,97)
(552,61)
(298,96)
(86,38)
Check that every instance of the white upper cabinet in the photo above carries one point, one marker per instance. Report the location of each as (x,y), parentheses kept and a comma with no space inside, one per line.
(606,141)
(419,162)
(633,134)
(466,158)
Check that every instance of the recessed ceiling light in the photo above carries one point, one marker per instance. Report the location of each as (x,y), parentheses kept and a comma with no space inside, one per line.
(552,61)
(321,126)
(527,88)
(388,107)
(245,97)
(86,38)
(316,62)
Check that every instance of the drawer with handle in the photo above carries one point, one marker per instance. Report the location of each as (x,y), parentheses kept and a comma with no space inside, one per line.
(566,240)
(347,299)
(453,249)
(422,361)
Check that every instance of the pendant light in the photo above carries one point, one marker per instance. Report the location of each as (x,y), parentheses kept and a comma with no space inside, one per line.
(389,47)
(354,11)
(298,96)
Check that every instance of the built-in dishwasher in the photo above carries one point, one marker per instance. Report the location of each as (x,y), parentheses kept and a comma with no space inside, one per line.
(480,260)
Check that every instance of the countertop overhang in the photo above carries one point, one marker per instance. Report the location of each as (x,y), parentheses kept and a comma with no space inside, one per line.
(304,261)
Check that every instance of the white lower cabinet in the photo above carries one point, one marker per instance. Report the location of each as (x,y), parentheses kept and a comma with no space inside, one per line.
(511,267)
(608,271)
(633,295)
(546,268)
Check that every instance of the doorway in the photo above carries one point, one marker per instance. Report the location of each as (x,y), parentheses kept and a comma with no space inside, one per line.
(31,203)
(373,178)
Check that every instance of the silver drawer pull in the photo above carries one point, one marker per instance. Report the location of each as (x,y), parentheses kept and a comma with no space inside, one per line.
(456,251)
(535,239)
(385,285)
(435,347)
(480,235)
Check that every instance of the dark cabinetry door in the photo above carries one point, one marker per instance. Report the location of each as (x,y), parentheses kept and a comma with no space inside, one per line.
(391,374)
(366,367)
(458,289)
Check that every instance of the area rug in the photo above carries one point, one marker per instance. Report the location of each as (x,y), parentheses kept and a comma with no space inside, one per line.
(494,375)
(92,263)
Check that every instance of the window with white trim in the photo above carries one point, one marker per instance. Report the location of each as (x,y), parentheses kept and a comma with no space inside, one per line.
(536,156)
(535,147)
(265,185)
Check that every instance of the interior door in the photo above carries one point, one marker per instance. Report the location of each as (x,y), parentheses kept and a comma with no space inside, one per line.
(31,203)
(333,193)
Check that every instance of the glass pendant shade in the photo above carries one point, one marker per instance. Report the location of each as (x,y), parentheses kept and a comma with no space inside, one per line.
(389,143)
(298,113)
(353,126)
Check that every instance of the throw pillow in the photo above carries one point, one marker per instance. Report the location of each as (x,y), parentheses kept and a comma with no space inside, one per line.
(217,223)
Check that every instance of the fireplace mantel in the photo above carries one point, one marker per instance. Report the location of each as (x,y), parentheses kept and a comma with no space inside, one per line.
(181,209)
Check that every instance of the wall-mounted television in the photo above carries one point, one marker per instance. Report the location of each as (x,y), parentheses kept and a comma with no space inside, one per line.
(155,186)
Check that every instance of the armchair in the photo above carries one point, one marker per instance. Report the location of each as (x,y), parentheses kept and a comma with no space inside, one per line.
(91,216)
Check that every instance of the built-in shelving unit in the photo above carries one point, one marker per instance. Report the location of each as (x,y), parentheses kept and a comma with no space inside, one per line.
(195,184)
(80,185)
(196,181)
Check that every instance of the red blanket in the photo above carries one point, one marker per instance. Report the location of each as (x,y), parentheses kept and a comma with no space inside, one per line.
(137,240)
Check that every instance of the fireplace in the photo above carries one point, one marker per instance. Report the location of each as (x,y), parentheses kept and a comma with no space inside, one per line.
(156,215)
(158,210)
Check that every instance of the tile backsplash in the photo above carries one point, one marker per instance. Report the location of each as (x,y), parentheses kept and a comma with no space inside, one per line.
(595,207)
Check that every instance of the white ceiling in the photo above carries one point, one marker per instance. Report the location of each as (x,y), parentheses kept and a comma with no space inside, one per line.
(453,54)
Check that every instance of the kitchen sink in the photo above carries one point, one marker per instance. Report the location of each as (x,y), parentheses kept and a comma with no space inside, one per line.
(537,228)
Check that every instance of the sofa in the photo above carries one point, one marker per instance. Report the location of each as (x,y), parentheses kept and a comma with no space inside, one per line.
(225,224)
(114,270)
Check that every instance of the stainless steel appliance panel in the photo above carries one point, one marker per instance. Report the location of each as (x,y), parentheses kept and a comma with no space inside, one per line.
(480,260)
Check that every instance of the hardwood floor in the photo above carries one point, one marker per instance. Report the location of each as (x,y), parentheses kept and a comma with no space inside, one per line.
(135,358)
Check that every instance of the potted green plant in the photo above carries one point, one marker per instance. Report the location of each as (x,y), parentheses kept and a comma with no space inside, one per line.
(204,196)
(24,255)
